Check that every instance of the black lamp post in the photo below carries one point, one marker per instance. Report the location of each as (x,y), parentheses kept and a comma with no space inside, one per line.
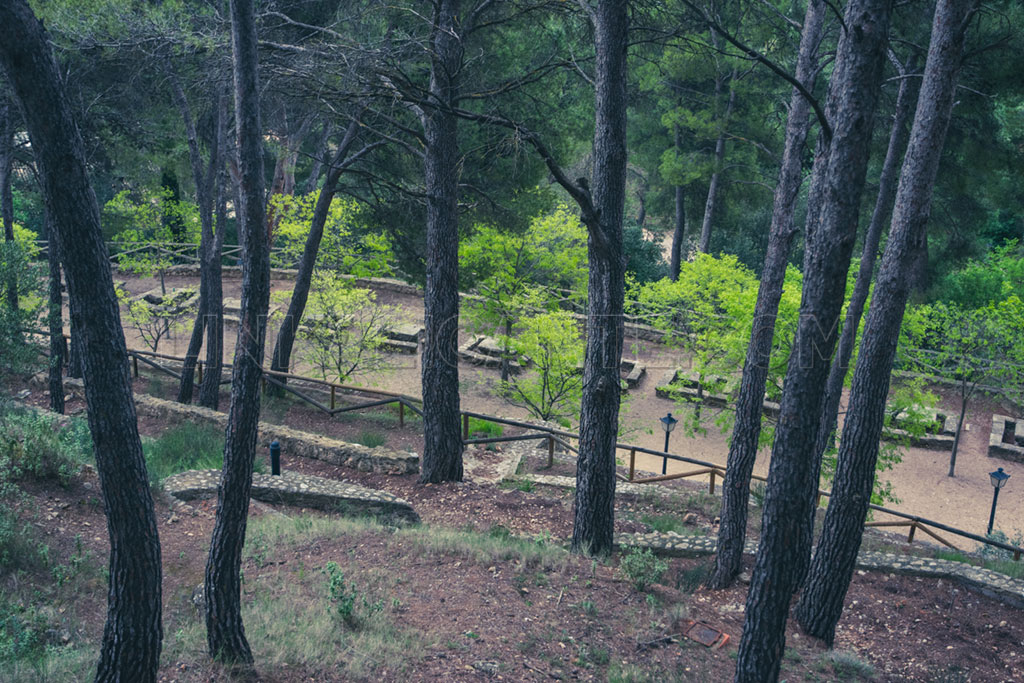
(998,481)
(668,423)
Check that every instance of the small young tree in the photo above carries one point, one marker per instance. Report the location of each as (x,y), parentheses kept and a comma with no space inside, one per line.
(552,390)
(976,347)
(155,321)
(505,270)
(345,329)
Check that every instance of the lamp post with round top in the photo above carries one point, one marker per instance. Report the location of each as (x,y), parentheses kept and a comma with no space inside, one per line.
(668,423)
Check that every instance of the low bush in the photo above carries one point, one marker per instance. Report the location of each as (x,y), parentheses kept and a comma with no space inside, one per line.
(642,568)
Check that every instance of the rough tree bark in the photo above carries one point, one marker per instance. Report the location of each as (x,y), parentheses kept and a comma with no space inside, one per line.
(711,203)
(821,603)
(280,361)
(442,440)
(594,514)
(209,392)
(679,231)
(130,650)
(225,635)
(898,136)
(746,432)
(836,188)
(54,319)
(204,183)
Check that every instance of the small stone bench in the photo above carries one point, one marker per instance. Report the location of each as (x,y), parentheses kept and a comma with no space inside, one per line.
(1006,440)
(292,488)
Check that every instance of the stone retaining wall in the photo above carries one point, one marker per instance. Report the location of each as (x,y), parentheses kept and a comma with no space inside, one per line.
(293,442)
(983,580)
(301,490)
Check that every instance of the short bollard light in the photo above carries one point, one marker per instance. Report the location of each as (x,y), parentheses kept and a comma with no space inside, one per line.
(275,458)
(668,423)
(998,481)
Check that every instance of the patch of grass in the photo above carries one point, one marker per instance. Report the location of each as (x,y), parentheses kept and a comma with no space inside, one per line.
(847,666)
(187,447)
(371,439)
(38,444)
(269,536)
(525,485)
(484,429)
(665,523)
(641,567)
(487,548)
(181,448)
(294,626)
(689,580)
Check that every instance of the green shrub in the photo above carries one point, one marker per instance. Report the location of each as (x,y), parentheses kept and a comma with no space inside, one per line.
(641,567)
(43,445)
(371,439)
(664,523)
(484,428)
(186,447)
(349,604)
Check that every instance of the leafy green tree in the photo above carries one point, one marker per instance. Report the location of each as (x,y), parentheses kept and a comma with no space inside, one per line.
(145,226)
(514,274)
(993,278)
(346,246)
(345,329)
(709,312)
(975,347)
(22,284)
(553,387)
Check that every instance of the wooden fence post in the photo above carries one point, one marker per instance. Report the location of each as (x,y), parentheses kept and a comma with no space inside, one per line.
(135,365)
(332,397)
(711,485)
(465,427)
(913,528)
(401,414)
(551,451)
(632,463)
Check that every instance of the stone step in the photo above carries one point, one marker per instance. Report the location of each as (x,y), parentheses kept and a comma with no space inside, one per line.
(301,490)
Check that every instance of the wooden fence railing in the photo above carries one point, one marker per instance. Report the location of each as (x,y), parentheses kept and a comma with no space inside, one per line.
(554,437)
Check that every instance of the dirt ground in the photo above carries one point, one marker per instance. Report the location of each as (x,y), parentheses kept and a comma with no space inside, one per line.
(920,481)
(502,620)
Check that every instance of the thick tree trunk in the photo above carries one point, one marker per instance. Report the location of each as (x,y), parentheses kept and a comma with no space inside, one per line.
(281,359)
(55,319)
(204,196)
(209,392)
(836,189)
(732,530)
(75,360)
(711,204)
(898,137)
(130,650)
(679,232)
(225,635)
(821,603)
(442,447)
(599,411)
(6,192)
